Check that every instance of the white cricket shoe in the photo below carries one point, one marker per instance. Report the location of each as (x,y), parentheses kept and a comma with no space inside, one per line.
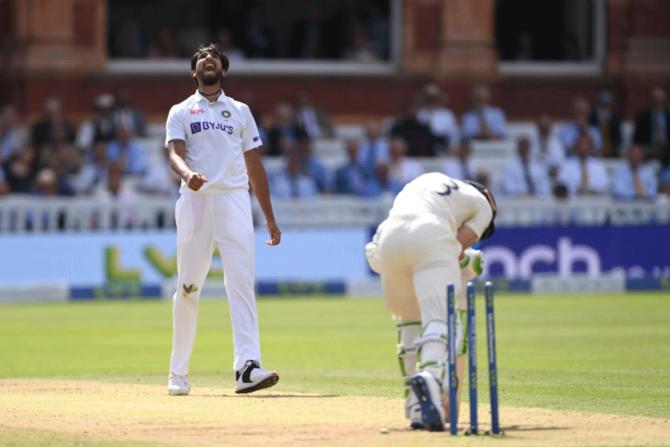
(178,385)
(253,378)
(413,411)
(429,394)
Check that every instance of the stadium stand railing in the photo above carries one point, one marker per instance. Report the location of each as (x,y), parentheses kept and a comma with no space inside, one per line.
(32,214)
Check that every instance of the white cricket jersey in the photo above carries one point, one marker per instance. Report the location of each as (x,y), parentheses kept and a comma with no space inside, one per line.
(216,135)
(453,202)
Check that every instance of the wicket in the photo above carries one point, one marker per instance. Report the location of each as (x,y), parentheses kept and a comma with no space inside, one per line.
(472,358)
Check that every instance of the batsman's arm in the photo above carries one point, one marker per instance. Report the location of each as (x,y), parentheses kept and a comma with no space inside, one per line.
(466,236)
(177,153)
(259,185)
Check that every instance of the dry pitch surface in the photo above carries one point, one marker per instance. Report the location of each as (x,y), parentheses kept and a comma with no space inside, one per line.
(91,412)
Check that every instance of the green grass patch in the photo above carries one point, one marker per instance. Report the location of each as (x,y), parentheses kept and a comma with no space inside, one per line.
(593,353)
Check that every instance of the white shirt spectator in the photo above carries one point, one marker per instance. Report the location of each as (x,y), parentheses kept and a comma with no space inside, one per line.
(548,151)
(597,180)
(517,182)
(309,120)
(403,171)
(624,184)
(442,123)
(495,121)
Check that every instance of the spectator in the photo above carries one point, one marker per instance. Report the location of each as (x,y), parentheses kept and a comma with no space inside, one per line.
(482,121)
(525,176)
(224,38)
(93,170)
(159,178)
(402,170)
(584,174)
(460,167)
(374,148)
(127,115)
(571,132)
(608,121)
(291,182)
(631,179)
(21,170)
(117,190)
(314,121)
(127,151)
(66,160)
(308,39)
(353,178)
(652,128)
(191,34)
(4,186)
(260,40)
(312,166)
(419,138)
(382,180)
(46,183)
(547,148)
(438,117)
(283,127)
(11,137)
(362,48)
(129,40)
(52,128)
(101,125)
(664,182)
(163,45)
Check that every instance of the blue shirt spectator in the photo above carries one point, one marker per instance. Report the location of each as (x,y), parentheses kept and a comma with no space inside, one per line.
(129,151)
(374,149)
(570,132)
(584,174)
(291,182)
(664,182)
(632,179)
(353,178)
(524,176)
(484,122)
(312,167)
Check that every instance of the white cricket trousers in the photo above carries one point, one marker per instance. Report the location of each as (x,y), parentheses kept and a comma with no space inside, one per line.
(418,259)
(205,221)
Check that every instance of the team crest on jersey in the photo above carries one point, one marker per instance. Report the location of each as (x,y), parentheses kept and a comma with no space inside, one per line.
(225,114)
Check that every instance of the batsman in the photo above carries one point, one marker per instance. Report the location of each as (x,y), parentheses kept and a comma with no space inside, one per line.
(421,247)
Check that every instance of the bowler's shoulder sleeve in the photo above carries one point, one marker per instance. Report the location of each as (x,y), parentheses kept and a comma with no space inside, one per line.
(251,138)
(174,126)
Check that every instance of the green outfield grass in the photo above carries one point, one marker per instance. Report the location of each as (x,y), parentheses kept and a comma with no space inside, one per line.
(593,353)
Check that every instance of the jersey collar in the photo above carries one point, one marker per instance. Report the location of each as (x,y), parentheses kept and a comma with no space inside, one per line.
(221,98)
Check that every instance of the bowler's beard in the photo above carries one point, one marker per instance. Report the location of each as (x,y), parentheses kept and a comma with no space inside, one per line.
(209,78)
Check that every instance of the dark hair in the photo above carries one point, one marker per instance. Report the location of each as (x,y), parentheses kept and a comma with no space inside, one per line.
(215,50)
(492,202)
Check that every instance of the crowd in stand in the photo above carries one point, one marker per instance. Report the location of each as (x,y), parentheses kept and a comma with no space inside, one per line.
(358,32)
(106,157)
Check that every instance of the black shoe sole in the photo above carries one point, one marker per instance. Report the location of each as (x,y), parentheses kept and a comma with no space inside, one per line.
(267,383)
(429,413)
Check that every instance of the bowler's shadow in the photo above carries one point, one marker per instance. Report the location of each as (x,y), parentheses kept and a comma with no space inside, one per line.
(268,396)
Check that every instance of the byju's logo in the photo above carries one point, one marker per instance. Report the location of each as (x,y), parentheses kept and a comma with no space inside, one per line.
(196,127)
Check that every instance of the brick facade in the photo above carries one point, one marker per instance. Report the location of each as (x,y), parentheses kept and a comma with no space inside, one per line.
(58,48)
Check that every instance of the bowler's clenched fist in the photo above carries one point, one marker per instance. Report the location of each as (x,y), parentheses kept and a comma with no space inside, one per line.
(196,180)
